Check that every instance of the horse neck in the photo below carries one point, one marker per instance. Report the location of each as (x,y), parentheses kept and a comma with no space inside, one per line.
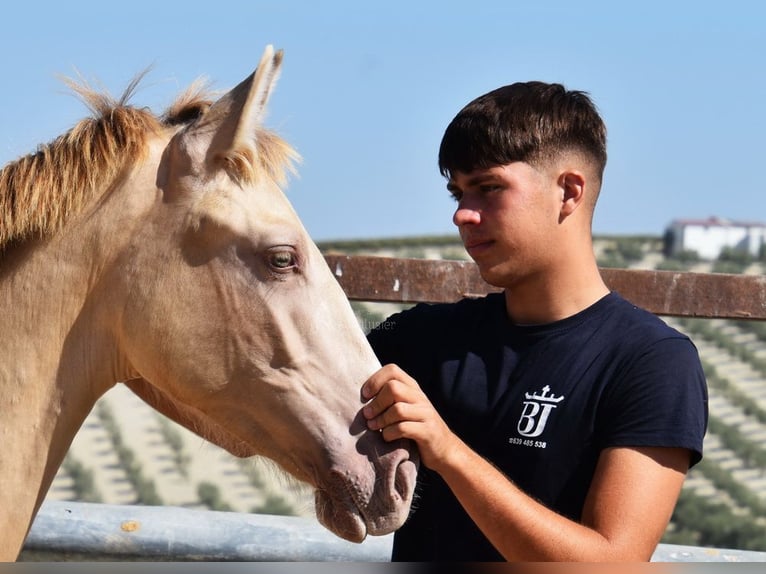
(42,406)
(60,357)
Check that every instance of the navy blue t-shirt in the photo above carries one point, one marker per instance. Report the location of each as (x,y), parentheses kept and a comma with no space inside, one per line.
(540,402)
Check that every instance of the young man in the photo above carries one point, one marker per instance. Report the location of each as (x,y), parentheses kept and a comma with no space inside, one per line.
(555,420)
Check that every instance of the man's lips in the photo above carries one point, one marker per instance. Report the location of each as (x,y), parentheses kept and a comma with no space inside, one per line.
(476,247)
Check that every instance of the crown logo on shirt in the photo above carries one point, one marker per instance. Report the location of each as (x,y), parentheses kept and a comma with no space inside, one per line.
(545,397)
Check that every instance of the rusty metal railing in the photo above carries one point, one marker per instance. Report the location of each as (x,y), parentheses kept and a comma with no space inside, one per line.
(682,294)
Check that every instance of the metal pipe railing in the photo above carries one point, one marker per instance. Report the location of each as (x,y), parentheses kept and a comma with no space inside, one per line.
(68,531)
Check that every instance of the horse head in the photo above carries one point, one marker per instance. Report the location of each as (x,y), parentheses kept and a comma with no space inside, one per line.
(234,326)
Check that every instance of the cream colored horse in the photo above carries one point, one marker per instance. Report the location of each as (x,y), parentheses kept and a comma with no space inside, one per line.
(162,253)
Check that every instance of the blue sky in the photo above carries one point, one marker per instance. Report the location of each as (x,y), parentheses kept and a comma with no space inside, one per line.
(367,89)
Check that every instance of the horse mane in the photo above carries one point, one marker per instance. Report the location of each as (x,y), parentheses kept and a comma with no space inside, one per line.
(41,191)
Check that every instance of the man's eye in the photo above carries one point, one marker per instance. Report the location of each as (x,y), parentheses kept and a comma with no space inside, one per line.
(488,188)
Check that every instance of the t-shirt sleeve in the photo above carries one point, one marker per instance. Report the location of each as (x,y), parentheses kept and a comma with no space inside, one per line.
(659,399)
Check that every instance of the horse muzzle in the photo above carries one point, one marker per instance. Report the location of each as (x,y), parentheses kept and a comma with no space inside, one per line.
(374,499)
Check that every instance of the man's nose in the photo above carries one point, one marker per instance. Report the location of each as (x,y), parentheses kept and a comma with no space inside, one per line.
(465,215)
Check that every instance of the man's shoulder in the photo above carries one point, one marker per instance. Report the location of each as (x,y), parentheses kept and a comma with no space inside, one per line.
(641,341)
(630,318)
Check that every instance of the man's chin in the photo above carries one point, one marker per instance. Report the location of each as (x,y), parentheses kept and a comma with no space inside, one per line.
(494,274)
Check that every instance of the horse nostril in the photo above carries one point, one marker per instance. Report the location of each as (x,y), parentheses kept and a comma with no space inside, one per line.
(405,473)
(402,481)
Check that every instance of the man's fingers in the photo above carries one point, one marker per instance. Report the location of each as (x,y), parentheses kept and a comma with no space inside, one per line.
(396,415)
(383,410)
(381,377)
(390,393)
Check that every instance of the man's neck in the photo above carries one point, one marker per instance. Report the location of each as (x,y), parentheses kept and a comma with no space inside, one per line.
(552,298)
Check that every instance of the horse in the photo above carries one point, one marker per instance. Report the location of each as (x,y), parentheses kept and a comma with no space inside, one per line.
(161,252)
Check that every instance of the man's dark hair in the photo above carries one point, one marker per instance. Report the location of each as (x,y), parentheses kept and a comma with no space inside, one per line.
(526,121)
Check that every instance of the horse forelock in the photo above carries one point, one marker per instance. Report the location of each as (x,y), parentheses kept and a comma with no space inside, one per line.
(41,191)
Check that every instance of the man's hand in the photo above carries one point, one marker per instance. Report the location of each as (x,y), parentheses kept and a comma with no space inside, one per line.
(398,408)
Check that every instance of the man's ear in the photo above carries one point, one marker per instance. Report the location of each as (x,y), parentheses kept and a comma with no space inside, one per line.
(572,186)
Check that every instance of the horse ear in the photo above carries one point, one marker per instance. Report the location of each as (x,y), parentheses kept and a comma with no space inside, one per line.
(232,122)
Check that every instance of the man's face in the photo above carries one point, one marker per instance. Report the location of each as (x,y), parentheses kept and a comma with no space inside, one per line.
(507,217)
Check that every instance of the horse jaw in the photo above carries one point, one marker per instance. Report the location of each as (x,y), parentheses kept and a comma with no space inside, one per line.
(344,505)
(190,418)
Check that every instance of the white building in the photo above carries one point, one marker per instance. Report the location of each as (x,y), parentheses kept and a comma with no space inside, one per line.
(708,237)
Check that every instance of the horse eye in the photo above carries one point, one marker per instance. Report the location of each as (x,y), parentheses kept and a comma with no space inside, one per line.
(282,260)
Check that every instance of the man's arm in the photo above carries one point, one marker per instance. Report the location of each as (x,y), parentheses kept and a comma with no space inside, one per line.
(629,504)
